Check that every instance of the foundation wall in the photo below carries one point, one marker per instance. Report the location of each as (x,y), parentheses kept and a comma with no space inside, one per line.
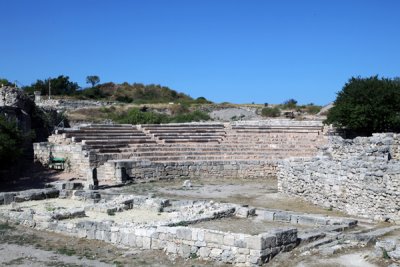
(187,242)
(147,170)
(360,176)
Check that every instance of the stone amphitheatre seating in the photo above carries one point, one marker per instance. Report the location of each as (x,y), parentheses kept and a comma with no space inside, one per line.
(98,136)
(196,145)
(181,133)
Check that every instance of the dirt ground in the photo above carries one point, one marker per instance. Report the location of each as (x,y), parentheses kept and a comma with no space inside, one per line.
(253,192)
(21,246)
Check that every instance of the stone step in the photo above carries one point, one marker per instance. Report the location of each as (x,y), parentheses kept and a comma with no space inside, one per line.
(94,130)
(189,137)
(109,138)
(188,134)
(182,125)
(194,130)
(319,242)
(218,161)
(220,148)
(117,141)
(200,158)
(79,133)
(192,140)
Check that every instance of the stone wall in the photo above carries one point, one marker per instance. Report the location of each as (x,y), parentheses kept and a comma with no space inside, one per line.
(360,176)
(188,241)
(147,170)
(76,159)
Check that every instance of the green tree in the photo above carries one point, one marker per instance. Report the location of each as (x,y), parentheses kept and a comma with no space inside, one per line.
(11,141)
(5,82)
(59,86)
(290,104)
(367,105)
(92,79)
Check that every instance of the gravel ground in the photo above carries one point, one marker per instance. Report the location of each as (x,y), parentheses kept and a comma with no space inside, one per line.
(230,114)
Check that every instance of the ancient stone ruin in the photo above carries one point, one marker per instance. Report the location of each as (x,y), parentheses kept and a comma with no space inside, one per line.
(189,150)
(359,177)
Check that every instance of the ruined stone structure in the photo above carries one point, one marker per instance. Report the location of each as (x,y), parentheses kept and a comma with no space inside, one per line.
(360,176)
(173,227)
(187,150)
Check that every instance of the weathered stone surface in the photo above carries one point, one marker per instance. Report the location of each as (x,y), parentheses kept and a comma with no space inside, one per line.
(359,176)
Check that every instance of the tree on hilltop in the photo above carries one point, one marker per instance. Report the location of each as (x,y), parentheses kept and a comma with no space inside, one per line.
(59,86)
(367,105)
(92,79)
(5,82)
(290,104)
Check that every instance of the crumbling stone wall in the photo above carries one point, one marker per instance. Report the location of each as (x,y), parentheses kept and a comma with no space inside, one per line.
(360,176)
(77,160)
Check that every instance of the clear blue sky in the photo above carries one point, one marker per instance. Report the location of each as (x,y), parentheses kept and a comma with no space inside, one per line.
(225,50)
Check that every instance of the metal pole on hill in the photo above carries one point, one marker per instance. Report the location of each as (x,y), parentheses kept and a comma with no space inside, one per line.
(49,89)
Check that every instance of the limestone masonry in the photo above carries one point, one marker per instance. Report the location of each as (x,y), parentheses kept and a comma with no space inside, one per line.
(187,150)
(153,223)
(360,176)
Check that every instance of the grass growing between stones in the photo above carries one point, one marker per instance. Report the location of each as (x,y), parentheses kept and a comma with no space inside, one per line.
(15,262)
(66,251)
(5,227)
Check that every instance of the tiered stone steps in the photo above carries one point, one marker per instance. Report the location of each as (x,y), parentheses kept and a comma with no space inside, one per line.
(114,136)
(186,133)
(194,142)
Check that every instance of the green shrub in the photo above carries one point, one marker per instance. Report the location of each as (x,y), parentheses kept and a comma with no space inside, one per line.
(202,100)
(11,141)
(179,109)
(312,109)
(271,112)
(189,117)
(289,104)
(367,105)
(135,116)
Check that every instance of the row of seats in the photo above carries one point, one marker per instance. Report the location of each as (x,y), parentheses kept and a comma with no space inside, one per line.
(99,136)
(195,142)
(186,133)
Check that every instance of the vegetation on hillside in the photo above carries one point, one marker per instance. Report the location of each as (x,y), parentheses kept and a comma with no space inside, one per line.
(367,105)
(289,106)
(137,93)
(141,116)
(271,112)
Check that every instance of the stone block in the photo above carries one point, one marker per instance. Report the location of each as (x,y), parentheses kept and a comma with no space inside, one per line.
(268,241)
(146,243)
(184,233)
(184,251)
(204,252)
(240,259)
(139,241)
(215,253)
(285,237)
(171,247)
(265,215)
(229,240)
(282,216)
(217,238)
(240,242)
(254,242)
